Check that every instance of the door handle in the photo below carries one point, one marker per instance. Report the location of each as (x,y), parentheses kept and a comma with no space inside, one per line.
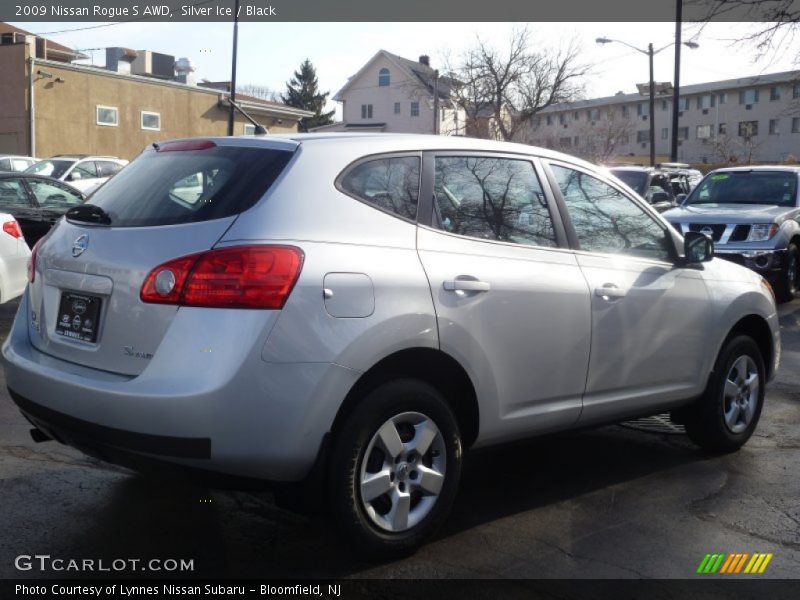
(609,291)
(466,285)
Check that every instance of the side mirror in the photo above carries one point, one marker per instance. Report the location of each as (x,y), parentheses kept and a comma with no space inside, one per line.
(697,247)
(657,197)
(680,198)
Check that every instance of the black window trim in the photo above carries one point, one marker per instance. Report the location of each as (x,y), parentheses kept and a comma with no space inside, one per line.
(32,202)
(643,204)
(425,216)
(55,183)
(381,156)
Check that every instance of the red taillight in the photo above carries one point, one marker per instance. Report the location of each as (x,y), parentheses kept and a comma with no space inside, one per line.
(184,145)
(12,229)
(235,277)
(32,260)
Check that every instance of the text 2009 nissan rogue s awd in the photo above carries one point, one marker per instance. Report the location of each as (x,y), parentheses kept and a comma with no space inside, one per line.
(364,308)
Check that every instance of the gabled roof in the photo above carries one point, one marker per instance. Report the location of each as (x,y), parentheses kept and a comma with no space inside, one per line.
(54,49)
(686,90)
(421,74)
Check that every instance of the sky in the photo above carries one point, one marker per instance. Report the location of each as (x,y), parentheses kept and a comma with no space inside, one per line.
(269,53)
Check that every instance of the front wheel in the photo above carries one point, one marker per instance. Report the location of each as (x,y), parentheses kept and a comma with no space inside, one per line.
(724,418)
(395,468)
(788,283)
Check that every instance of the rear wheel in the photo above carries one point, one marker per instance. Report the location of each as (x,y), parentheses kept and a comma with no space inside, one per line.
(788,284)
(724,418)
(395,468)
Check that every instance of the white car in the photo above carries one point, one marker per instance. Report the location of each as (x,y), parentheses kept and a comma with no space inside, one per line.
(12,162)
(14,255)
(80,171)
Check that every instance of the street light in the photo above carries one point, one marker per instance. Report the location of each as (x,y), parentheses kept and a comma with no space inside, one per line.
(650,53)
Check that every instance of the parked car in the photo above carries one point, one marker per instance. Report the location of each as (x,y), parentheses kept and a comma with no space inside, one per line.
(653,185)
(752,215)
(343,316)
(36,202)
(694,176)
(11,162)
(82,171)
(14,255)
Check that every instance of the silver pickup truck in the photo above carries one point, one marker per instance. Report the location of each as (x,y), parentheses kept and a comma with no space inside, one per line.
(752,214)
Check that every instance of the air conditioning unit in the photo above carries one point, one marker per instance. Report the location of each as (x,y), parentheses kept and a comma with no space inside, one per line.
(644,117)
(748,107)
(705,111)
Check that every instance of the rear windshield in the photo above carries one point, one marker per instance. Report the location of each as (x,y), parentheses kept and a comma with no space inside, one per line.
(50,168)
(186,186)
(746,187)
(635,180)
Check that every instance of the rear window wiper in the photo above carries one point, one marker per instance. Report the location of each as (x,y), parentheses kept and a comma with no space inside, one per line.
(89,213)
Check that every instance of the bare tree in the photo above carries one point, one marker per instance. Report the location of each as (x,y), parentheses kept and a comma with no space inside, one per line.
(737,149)
(599,141)
(258,91)
(509,87)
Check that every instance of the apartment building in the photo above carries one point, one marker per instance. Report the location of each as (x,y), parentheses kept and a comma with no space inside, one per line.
(397,95)
(735,120)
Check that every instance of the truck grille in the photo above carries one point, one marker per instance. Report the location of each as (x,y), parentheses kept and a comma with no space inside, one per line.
(716,229)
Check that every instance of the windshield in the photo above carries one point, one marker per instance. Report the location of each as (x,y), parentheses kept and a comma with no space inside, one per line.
(746,187)
(50,168)
(633,179)
(171,187)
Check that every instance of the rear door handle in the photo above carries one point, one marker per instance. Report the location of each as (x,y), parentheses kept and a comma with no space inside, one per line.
(609,291)
(466,285)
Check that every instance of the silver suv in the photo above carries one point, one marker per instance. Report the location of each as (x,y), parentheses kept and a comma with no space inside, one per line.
(345,315)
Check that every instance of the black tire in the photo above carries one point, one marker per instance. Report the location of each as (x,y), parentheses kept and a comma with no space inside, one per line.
(786,288)
(391,400)
(705,421)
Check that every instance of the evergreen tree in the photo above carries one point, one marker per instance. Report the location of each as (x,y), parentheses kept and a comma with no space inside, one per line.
(302,92)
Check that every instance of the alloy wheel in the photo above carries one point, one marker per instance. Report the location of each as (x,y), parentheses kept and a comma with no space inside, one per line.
(741,394)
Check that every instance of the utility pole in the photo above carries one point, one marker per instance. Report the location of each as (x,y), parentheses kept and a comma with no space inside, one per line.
(676,89)
(652,109)
(233,68)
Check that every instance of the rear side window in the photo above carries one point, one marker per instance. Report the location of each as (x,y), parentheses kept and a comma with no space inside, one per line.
(187,186)
(106,168)
(13,195)
(390,184)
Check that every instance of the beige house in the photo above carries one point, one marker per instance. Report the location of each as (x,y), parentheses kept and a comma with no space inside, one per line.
(50,105)
(397,95)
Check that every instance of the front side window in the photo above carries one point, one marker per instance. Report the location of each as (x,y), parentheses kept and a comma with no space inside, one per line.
(106,168)
(54,168)
(107,115)
(53,196)
(384,78)
(607,221)
(391,184)
(83,170)
(496,199)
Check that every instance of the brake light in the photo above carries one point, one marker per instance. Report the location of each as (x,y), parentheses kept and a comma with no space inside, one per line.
(32,259)
(184,145)
(12,229)
(234,277)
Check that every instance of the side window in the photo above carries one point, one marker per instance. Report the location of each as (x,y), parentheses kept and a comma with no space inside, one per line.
(83,170)
(391,184)
(605,220)
(13,195)
(106,168)
(52,196)
(20,164)
(492,199)
(5,164)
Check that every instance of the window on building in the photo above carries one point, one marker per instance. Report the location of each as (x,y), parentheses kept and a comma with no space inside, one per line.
(565,142)
(488,198)
(576,140)
(748,96)
(773,127)
(249,129)
(607,221)
(594,114)
(626,111)
(795,124)
(107,115)
(703,132)
(664,133)
(549,120)
(683,133)
(796,91)
(383,77)
(397,108)
(576,116)
(664,105)
(391,184)
(150,120)
(722,128)
(774,93)
(643,135)
(748,129)
(366,111)
(722,98)
(643,109)
(415,109)
(705,101)
(683,103)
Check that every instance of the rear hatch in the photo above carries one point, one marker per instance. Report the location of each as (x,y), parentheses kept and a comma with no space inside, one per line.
(175,199)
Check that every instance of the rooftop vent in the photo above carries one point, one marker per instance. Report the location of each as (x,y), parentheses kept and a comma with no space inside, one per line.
(120,59)
(184,71)
(425,60)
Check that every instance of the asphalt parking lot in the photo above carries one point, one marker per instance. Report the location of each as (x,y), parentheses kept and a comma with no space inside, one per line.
(616,502)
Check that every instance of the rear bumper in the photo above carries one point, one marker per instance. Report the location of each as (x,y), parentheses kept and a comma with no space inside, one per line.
(255,420)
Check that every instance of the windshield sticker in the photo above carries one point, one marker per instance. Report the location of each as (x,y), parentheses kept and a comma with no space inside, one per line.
(719,177)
